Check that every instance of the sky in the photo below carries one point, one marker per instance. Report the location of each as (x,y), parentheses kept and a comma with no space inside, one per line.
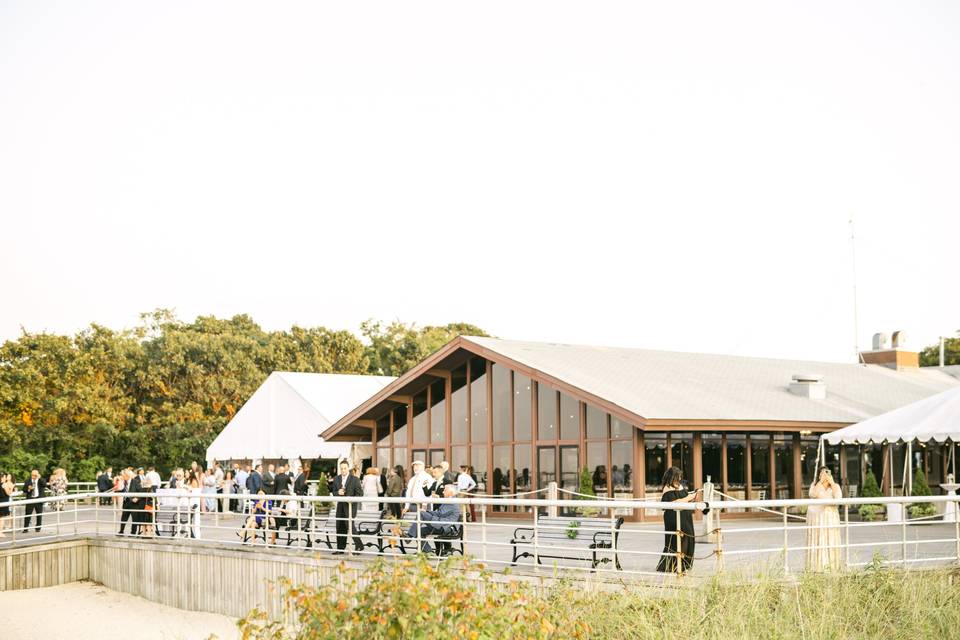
(660,175)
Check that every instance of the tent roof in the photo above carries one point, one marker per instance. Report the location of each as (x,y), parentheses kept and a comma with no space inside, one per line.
(934,418)
(284,416)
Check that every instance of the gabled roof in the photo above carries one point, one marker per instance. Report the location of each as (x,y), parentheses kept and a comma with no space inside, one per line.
(286,413)
(646,385)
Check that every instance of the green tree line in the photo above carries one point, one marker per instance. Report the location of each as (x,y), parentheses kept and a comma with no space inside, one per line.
(161,392)
(930,356)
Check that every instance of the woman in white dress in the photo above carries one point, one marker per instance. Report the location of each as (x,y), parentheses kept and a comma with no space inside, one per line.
(195,491)
(210,488)
(823,522)
(371,490)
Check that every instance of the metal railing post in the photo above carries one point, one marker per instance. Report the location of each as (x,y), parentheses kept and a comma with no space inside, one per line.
(786,547)
(419,544)
(903,537)
(483,532)
(956,526)
(536,537)
(678,559)
(96,516)
(55,505)
(350,526)
(719,549)
(76,516)
(846,531)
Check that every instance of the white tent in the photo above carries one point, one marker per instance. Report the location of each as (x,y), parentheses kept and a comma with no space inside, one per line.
(285,415)
(935,418)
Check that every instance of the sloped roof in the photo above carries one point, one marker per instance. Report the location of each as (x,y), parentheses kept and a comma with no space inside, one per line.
(696,386)
(934,418)
(285,415)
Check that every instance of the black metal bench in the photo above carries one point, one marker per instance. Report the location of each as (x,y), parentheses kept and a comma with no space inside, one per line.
(449,538)
(569,538)
(365,523)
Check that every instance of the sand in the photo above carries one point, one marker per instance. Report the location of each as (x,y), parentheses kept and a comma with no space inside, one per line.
(83,610)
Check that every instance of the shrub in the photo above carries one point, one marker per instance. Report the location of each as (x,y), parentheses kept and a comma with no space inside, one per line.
(870,489)
(413,599)
(417,599)
(921,488)
(586,488)
(323,489)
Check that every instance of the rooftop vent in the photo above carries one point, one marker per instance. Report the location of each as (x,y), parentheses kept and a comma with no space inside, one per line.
(809,385)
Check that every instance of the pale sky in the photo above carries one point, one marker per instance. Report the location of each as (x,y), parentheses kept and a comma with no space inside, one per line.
(661,175)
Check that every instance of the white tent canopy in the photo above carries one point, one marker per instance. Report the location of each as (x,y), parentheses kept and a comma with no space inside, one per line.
(934,418)
(285,415)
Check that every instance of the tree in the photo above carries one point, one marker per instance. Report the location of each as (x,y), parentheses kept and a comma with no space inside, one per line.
(930,356)
(397,347)
(870,490)
(921,488)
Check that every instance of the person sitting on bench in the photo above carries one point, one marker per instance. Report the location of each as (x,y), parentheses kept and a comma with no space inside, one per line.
(432,522)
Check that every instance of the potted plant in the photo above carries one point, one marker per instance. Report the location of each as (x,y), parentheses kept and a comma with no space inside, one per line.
(587,493)
(323,489)
(871,489)
(573,530)
(921,488)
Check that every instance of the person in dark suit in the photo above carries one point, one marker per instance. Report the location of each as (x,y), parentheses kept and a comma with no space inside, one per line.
(300,486)
(348,485)
(34,487)
(105,484)
(270,481)
(283,481)
(443,520)
(449,476)
(133,505)
(255,480)
(435,488)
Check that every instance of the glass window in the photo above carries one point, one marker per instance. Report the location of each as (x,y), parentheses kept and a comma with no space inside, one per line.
(596,423)
(546,412)
(681,450)
(783,456)
(621,471)
(478,400)
(521,461)
(478,459)
(438,413)
(620,429)
(808,462)
(458,405)
(736,465)
(436,457)
(400,458)
(500,483)
(421,432)
(501,404)
(654,462)
(421,455)
(597,464)
(521,406)
(852,477)
(383,431)
(569,418)
(383,457)
(760,467)
(460,457)
(711,458)
(400,426)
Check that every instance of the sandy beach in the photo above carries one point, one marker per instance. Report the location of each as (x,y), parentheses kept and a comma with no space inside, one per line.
(84,610)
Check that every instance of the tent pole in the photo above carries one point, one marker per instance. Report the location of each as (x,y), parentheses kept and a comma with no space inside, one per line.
(908,488)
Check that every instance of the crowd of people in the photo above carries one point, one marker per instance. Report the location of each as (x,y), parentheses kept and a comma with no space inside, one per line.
(33,487)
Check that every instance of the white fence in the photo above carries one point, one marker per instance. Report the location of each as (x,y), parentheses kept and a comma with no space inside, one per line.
(547,535)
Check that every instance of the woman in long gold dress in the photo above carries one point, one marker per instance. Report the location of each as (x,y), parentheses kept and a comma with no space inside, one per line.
(823,522)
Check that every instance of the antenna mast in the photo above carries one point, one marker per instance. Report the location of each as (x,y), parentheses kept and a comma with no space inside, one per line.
(856,322)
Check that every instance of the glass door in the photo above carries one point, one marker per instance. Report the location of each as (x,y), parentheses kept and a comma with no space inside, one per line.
(569,472)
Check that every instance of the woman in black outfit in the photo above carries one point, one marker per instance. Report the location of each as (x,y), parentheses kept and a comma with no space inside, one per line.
(673,491)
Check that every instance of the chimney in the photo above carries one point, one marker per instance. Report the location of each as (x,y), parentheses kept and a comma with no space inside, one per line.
(809,385)
(896,356)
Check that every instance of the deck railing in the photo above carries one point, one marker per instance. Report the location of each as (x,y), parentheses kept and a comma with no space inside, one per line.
(543,535)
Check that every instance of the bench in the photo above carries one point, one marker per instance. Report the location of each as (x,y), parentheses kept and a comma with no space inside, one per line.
(365,523)
(553,532)
(453,536)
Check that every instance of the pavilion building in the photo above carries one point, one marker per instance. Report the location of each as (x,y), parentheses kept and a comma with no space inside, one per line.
(524,414)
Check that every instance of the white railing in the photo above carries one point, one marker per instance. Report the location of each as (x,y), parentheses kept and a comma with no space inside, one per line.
(544,534)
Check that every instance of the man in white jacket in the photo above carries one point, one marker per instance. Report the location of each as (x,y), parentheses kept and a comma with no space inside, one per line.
(416,487)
